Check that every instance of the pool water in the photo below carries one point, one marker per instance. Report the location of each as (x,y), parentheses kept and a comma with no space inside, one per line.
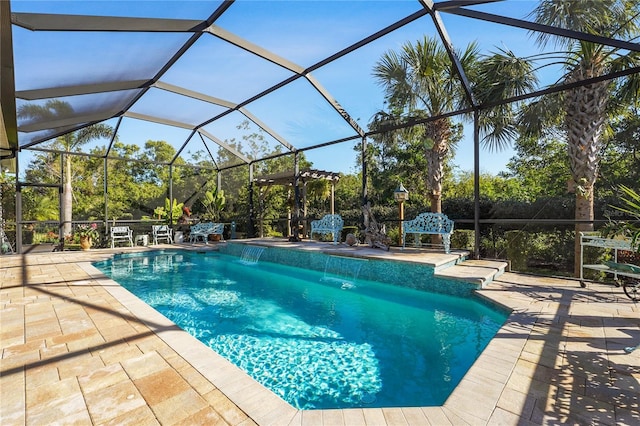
(317,341)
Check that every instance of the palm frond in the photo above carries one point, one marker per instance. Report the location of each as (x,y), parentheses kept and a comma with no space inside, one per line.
(593,17)
(631,201)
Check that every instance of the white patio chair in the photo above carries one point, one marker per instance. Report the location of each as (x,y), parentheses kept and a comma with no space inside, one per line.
(121,233)
(162,232)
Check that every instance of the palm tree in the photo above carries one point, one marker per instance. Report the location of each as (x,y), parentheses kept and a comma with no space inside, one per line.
(420,82)
(318,191)
(70,142)
(582,113)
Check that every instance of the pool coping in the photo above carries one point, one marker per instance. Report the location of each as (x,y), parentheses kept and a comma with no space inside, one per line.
(265,407)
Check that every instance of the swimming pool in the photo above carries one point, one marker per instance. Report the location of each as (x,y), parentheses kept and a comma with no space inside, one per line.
(318,339)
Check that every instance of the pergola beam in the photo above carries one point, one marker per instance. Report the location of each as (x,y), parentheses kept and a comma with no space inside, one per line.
(288,177)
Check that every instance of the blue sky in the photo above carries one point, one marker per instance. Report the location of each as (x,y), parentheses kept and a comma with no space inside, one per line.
(301,31)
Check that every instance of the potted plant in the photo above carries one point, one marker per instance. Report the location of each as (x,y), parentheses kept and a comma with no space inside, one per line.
(87,234)
(213,203)
(170,213)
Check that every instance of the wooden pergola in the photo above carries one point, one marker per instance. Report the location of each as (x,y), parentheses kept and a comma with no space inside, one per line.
(296,181)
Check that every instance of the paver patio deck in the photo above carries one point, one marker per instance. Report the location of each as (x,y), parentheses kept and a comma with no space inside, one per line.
(79,349)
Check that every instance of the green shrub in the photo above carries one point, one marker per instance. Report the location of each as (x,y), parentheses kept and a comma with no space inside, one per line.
(463,239)
(517,249)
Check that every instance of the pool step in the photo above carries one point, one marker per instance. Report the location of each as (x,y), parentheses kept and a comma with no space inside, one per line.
(480,272)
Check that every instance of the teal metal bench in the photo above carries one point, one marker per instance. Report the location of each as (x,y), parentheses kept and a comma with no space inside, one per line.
(203,230)
(329,224)
(429,223)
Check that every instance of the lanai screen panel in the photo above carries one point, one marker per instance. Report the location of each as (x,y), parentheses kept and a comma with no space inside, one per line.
(197,152)
(41,167)
(343,157)
(40,204)
(137,133)
(238,131)
(306,32)
(222,153)
(350,78)
(173,107)
(521,43)
(301,115)
(69,58)
(216,68)
(70,81)
(190,185)
(54,115)
(136,189)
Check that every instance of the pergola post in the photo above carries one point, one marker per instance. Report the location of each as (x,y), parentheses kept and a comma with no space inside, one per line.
(333,197)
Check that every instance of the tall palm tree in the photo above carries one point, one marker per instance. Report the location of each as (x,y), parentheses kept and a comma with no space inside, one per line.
(582,113)
(588,108)
(70,142)
(420,82)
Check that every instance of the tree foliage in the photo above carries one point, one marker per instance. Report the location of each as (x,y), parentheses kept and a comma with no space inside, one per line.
(420,82)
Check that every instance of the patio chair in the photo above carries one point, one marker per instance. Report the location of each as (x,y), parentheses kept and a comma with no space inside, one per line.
(121,233)
(162,232)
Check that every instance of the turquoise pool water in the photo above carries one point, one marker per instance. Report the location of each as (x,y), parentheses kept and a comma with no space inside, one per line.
(318,339)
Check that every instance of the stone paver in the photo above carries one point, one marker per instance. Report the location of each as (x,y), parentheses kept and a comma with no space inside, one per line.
(76,348)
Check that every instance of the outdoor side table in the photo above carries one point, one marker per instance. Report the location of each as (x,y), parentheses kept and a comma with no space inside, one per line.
(144,239)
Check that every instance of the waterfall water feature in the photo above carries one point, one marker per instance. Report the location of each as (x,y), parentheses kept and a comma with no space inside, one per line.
(251,254)
(342,270)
